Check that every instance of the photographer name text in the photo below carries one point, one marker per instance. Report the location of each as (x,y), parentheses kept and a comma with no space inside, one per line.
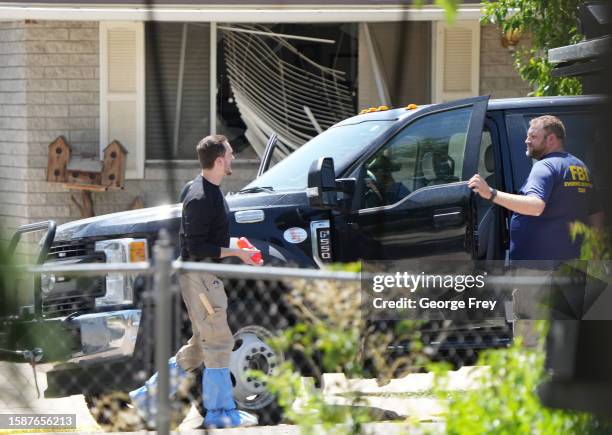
(412,283)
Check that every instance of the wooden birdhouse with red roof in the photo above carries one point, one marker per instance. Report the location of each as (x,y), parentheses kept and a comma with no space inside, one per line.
(113,174)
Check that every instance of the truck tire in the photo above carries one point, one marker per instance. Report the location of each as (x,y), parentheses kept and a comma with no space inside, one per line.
(251,352)
(256,313)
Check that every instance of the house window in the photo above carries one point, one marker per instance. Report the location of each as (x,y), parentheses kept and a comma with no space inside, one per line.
(178,94)
(122,91)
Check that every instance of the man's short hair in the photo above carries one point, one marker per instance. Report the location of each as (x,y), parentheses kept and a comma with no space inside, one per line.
(209,149)
(551,125)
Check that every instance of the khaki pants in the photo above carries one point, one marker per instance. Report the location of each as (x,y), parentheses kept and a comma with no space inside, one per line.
(530,303)
(212,341)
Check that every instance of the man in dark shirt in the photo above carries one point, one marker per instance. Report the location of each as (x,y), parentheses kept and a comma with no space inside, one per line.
(204,235)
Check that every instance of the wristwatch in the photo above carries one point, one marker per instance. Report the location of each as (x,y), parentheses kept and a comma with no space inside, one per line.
(493,194)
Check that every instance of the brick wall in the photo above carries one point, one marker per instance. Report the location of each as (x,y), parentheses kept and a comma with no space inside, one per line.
(13,127)
(62,89)
(497,74)
(49,87)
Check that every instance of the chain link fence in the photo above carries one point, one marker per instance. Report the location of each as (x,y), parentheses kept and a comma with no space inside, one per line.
(288,324)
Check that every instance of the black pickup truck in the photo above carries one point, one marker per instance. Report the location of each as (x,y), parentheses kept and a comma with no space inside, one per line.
(394,187)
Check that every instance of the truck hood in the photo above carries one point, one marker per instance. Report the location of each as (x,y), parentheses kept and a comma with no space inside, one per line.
(151,220)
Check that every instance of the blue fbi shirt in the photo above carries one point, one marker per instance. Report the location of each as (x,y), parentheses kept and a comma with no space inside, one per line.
(564,183)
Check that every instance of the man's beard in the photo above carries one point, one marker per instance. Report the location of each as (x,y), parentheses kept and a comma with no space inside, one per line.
(534,154)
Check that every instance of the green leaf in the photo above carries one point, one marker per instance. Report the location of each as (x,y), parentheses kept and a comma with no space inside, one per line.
(548,24)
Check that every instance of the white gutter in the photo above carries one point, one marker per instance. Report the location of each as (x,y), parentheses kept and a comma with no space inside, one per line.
(233,14)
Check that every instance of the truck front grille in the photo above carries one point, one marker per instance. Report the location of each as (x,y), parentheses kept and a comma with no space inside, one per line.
(67,305)
(72,294)
(70,249)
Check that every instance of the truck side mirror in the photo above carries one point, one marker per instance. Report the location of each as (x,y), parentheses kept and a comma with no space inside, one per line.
(327,192)
(322,183)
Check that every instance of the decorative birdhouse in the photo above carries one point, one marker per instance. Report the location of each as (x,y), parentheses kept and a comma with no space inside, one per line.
(113,174)
(59,156)
(84,171)
(86,174)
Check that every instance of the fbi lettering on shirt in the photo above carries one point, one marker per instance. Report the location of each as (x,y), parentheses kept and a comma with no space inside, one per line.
(580,178)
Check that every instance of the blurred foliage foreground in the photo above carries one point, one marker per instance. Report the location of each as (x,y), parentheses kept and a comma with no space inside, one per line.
(334,336)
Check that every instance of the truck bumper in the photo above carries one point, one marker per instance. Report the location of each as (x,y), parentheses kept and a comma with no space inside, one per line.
(89,337)
(106,336)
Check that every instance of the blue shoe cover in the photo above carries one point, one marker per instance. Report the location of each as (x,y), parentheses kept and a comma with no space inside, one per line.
(144,398)
(229,418)
(219,402)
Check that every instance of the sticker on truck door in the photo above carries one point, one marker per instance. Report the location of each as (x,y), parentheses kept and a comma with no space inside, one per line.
(320,232)
(295,235)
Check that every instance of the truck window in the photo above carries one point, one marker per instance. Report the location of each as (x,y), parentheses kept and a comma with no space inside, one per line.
(584,139)
(342,143)
(486,160)
(427,152)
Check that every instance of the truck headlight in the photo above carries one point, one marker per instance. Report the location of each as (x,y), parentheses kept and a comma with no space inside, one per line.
(47,282)
(120,288)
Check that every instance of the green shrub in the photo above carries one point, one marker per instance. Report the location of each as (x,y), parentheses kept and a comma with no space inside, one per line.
(506,401)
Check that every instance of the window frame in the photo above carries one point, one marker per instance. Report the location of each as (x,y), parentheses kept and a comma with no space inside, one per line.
(138,96)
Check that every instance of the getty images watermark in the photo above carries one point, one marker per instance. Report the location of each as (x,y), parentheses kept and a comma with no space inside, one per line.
(426,283)
(481,291)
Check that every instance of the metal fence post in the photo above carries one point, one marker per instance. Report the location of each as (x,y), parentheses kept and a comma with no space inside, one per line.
(162,253)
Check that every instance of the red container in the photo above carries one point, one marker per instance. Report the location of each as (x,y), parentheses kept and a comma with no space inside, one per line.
(243,243)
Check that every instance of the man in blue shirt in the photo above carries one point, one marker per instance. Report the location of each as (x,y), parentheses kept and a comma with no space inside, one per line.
(558,191)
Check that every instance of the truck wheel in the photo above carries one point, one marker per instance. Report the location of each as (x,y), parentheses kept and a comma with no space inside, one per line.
(114,412)
(251,352)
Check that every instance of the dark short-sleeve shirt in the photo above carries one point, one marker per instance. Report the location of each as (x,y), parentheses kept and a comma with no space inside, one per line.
(564,183)
(204,222)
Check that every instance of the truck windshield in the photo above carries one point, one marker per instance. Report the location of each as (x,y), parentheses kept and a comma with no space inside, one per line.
(341,143)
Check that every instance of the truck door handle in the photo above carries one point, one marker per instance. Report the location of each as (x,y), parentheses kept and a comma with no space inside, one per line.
(448,217)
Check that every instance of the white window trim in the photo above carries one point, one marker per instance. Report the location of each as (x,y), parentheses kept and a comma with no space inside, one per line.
(437,60)
(139,154)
